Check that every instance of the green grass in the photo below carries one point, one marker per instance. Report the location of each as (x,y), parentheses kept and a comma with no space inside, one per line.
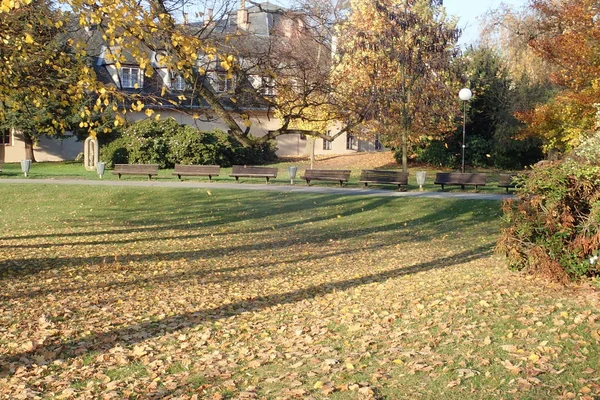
(75,170)
(161,292)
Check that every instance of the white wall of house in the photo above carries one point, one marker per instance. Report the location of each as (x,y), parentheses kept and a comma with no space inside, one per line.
(287,145)
(45,150)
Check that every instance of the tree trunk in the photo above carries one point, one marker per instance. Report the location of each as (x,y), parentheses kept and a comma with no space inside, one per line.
(29,143)
(404,146)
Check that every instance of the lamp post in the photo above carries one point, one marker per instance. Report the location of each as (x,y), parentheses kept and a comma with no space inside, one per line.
(465,95)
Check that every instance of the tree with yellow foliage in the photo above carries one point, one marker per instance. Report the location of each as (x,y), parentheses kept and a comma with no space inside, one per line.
(42,82)
(395,68)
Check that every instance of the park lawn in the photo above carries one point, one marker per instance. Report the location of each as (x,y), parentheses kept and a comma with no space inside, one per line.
(75,170)
(180,293)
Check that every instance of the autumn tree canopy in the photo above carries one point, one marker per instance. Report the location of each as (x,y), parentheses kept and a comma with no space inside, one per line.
(42,81)
(567,36)
(394,67)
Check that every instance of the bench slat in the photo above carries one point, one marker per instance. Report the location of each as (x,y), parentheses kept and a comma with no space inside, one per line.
(459,178)
(136,169)
(341,175)
(384,177)
(238,171)
(506,181)
(197,170)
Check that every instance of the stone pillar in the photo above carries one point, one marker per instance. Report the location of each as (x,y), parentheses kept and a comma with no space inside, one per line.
(91,153)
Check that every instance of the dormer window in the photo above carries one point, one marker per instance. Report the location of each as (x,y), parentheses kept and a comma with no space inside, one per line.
(267,87)
(224,83)
(178,83)
(131,78)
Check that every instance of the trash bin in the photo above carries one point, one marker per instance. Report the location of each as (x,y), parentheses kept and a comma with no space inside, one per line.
(292,170)
(100,168)
(421,179)
(25,166)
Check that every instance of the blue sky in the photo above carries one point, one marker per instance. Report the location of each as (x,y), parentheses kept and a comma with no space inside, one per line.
(470,11)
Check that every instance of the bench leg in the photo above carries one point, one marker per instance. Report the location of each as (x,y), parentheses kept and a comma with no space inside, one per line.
(308,182)
(149,177)
(341,183)
(366,184)
(179,177)
(119,176)
(267,179)
(210,179)
(237,179)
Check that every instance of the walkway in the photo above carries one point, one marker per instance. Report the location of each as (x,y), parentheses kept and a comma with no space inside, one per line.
(271,188)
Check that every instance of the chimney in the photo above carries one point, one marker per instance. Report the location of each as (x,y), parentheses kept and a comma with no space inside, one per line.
(208,16)
(242,16)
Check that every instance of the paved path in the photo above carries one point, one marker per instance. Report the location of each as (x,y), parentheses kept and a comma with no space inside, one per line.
(271,188)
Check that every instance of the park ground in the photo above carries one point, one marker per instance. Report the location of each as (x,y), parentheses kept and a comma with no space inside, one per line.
(125,292)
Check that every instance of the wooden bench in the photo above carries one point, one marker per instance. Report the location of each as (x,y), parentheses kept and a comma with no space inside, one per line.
(384,177)
(136,169)
(459,178)
(506,181)
(338,175)
(253,172)
(196,170)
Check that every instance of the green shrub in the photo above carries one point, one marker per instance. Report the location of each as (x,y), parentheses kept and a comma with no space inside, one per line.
(434,152)
(115,152)
(148,141)
(167,143)
(553,228)
(190,146)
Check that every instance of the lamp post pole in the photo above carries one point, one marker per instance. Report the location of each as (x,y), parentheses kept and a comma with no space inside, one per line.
(465,95)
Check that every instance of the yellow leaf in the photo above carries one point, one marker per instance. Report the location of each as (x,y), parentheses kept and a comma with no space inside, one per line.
(318,385)
(28,38)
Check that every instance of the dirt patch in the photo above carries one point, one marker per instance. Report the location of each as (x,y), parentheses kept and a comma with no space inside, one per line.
(353,161)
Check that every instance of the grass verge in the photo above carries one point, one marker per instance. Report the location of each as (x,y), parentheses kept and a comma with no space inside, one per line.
(141,293)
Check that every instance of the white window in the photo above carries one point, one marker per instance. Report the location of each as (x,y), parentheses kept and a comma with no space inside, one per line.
(326,143)
(223,82)
(178,83)
(267,86)
(131,78)
(351,142)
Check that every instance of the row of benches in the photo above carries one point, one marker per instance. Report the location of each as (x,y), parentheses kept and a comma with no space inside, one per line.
(367,176)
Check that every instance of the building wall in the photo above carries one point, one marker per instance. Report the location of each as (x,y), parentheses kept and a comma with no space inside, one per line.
(45,150)
(287,145)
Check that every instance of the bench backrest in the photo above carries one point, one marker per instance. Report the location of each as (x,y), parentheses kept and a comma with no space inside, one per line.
(384,176)
(333,174)
(198,169)
(243,169)
(137,168)
(506,180)
(461,178)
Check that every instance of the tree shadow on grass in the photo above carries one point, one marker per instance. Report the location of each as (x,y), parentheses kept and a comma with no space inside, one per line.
(136,333)
(430,225)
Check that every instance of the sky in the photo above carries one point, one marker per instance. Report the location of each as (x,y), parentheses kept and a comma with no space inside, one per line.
(469,13)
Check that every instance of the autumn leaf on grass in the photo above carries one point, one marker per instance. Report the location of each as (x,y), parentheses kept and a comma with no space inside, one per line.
(514,369)
(466,372)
